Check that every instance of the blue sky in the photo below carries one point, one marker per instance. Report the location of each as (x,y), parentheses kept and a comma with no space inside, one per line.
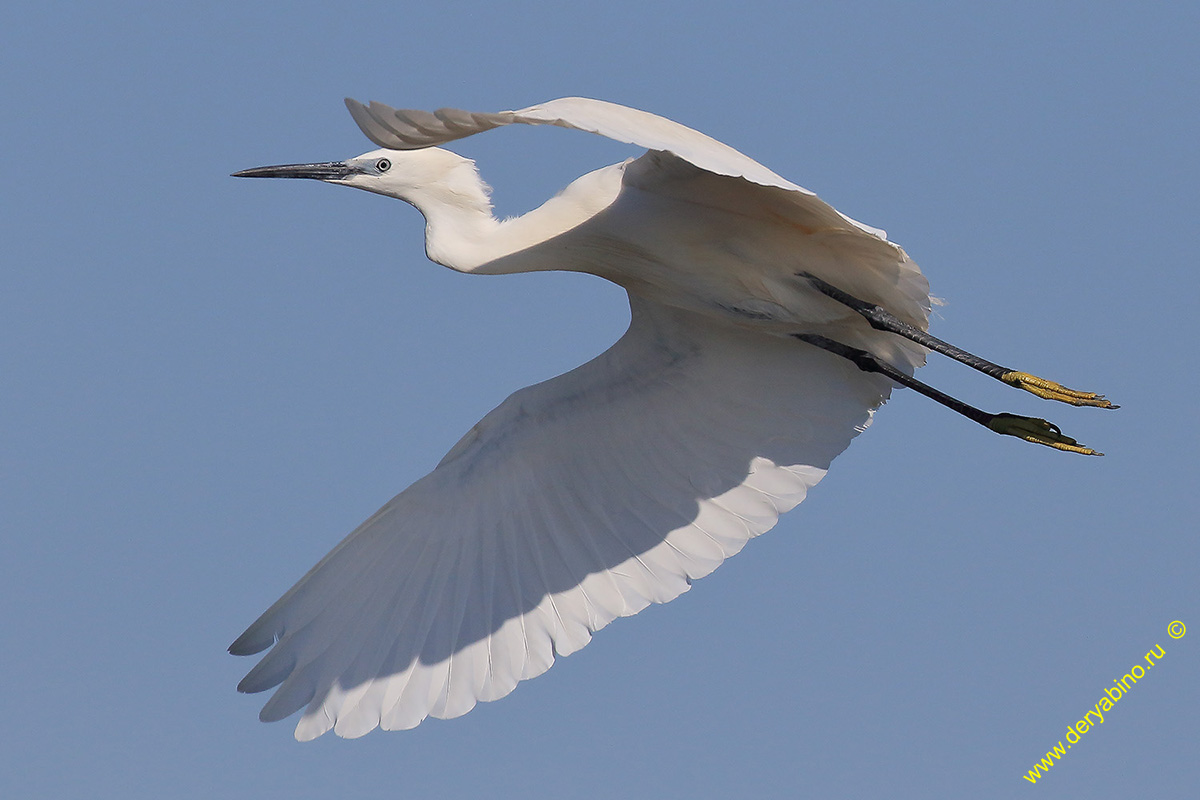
(205,383)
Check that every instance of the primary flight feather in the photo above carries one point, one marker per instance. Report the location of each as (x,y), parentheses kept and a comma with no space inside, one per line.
(613,486)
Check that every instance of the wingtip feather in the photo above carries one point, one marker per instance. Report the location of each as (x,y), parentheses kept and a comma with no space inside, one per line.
(251,642)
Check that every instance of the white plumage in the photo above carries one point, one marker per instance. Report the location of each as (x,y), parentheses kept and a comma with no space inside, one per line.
(591,495)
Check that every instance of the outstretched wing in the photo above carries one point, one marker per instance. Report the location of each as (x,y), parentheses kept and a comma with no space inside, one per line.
(578,500)
(867,262)
(411,129)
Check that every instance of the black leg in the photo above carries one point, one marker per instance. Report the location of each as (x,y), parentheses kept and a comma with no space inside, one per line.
(881,320)
(1031,429)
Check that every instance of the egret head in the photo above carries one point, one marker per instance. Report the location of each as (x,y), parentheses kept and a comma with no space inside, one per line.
(415,176)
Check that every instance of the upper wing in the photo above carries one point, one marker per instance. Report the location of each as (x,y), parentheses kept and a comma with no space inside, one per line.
(411,129)
(577,501)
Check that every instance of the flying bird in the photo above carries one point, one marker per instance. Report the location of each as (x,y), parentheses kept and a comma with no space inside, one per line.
(766,328)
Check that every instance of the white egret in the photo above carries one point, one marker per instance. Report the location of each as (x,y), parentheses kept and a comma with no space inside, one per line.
(766,329)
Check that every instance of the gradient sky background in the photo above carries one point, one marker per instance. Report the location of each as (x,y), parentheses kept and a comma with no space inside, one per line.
(206,382)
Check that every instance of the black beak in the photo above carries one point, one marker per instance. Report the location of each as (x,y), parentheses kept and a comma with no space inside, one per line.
(329,170)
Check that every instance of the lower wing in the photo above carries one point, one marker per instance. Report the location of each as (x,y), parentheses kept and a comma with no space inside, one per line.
(576,501)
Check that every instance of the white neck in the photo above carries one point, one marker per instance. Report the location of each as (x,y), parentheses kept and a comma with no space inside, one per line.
(462,233)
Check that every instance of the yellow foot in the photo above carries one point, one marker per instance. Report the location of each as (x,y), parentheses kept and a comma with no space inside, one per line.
(1050,390)
(1038,431)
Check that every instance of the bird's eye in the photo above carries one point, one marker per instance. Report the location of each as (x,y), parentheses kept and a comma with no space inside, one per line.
(383,165)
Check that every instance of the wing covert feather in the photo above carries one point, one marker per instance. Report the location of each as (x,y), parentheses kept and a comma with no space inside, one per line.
(576,501)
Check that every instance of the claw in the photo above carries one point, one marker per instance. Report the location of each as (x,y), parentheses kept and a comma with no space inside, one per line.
(1049,390)
(1038,431)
